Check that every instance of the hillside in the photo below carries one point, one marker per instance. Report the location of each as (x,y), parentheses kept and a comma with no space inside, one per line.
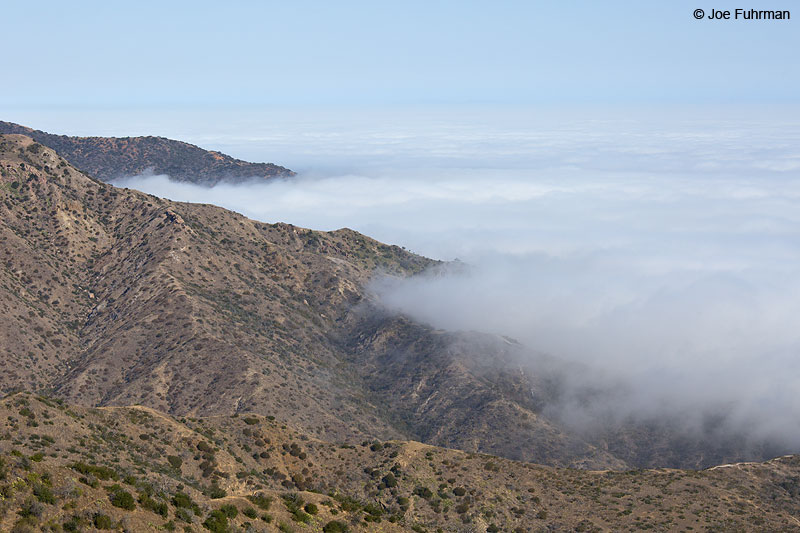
(107,158)
(112,297)
(68,468)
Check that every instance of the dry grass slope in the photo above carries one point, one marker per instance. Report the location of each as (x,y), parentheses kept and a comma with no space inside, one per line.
(68,468)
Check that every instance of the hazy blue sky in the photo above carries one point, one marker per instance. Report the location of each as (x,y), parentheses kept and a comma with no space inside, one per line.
(149,54)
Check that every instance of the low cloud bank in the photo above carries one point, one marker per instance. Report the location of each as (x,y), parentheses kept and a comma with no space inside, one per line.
(664,267)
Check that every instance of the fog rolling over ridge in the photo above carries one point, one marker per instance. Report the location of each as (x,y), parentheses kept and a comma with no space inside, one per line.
(659,260)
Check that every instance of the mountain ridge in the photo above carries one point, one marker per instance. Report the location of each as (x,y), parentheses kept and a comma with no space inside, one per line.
(109,158)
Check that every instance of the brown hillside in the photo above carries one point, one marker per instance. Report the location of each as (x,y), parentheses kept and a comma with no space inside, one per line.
(107,158)
(67,468)
(111,297)
(114,297)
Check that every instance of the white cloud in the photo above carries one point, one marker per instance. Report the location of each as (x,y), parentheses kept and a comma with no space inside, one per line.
(664,256)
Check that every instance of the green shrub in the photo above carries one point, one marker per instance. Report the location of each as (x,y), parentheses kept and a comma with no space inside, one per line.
(100,472)
(122,499)
(249,512)
(75,523)
(183,514)
(335,526)
(250,421)
(260,501)
(157,507)
(44,494)
(311,509)
(103,521)
(182,500)
(31,509)
(37,457)
(423,492)
(175,461)
(230,511)
(459,491)
(217,522)
(216,492)
(91,481)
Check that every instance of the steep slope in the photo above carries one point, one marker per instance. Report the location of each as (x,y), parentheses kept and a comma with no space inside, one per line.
(107,158)
(114,297)
(125,298)
(69,468)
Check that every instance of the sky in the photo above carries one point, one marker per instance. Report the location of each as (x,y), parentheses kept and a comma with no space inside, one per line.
(149,54)
(621,179)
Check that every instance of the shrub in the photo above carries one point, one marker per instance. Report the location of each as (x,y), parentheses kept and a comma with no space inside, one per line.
(423,492)
(183,514)
(174,461)
(250,421)
(216,522)
(73,524)
(182,500)
(31,508)
(100,472)
(103,521)
(122,499)
(157,507)
(44,494)
(311,509)
(230,510)
(249,512)
(459,491)
(260,501)
(215,492)
(335,526)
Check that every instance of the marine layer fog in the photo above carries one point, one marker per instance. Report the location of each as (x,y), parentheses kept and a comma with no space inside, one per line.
(657,254)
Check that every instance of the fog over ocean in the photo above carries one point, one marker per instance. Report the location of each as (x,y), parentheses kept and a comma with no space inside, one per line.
(661,251)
